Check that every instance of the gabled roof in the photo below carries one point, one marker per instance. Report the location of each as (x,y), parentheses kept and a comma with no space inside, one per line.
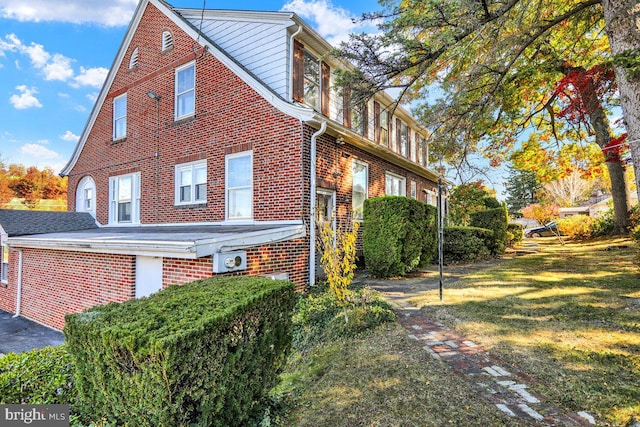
(22,223)
(297,111)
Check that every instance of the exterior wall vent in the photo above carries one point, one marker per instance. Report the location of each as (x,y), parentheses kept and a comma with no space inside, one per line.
(167,40)
(133,62)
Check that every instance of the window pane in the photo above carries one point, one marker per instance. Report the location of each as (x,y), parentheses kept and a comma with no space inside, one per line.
(124,212)
(125,188)
(185,79)
(239,172)
(5,255)
(185,193)
(311,68)
(120,107)
(121,128)
(201,191)
(201,175)
(185,177)
(185,104)
(240,203)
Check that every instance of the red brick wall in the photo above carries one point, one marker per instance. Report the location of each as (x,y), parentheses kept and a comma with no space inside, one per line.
(228,115)
(285,257)
(55,283)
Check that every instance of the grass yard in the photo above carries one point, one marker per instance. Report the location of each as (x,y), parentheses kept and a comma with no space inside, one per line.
(378,378)
(569,316)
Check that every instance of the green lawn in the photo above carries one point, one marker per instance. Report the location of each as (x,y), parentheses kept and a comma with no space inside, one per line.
(568,315)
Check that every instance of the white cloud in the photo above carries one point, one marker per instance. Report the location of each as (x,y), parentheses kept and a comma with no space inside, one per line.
(69,136)
(64,95)
(93,77)
(80,108)
(111,13)
(58,69)
(25,99)
(332,22)
(39,151)
(93,96)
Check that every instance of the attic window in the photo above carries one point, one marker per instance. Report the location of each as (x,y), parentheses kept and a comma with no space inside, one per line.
(167,40)
(133,62)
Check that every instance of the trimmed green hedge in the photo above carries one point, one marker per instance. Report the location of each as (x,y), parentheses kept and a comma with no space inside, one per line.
(396,235)
(515,233)
(497,220)
(465,244)
(202,354)
(41,376)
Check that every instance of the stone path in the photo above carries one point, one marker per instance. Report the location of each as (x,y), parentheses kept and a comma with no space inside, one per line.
(502,385)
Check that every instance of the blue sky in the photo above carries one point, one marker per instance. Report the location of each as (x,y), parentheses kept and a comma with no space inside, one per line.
(55,54)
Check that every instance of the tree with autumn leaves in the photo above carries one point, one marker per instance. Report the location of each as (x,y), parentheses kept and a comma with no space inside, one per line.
(30,185)
(487,72)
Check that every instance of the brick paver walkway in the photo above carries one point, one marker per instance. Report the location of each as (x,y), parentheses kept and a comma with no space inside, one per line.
(504,386)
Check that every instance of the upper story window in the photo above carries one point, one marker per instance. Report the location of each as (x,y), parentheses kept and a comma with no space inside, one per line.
(4,266)
(191,183)
(239,185)
(360,191)
(167,40)
(413,190)
(86,196)
(120,117)
(420,148)
(185,90)
(384,128)
(311,79)
(134,60)
(395,185)
(124,199)
(404,139)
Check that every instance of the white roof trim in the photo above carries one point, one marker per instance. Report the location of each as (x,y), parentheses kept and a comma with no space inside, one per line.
(293,110)
(190,249)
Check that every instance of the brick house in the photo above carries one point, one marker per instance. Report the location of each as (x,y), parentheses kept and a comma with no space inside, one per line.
(215,141)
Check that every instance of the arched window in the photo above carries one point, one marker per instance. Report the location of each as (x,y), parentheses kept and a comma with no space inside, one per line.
(133,62)
(167,40)
(86,196)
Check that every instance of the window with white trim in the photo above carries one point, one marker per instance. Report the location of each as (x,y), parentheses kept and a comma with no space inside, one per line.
(191,183)
(4,266)
(120,117)
(413,190)
(311,80)
(239,185)
(124,199)
(185,91)
(404,139)
(395,185)
(360,191)
(86,196)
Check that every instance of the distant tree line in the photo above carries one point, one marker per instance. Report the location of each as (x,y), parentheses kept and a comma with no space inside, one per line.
(30,185)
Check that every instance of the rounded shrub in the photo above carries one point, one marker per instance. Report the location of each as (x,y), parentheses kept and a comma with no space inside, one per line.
(466,244)
(576,226)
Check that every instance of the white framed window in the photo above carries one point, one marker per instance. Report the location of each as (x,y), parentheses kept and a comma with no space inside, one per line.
(239,185)
(360,191)
(191,183)
(120,117)
(311,80)
(395,185)
(384,128)
(86,196)
(4,266)
(404,139)
(124,199)
(413,190)
(185,91)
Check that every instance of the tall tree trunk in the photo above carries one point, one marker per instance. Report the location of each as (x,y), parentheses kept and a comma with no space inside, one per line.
(622,20)
(602,129)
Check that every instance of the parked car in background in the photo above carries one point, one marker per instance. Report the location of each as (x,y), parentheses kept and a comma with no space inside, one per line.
(549,229)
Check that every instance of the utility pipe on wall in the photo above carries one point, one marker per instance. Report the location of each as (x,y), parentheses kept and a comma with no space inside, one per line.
(19,290)
(312,206)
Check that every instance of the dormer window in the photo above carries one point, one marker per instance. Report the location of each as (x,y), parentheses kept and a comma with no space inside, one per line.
(167,41)
(133,61)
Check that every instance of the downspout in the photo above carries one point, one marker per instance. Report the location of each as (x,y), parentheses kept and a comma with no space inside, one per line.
(295,33)
(312,206)
(19,290)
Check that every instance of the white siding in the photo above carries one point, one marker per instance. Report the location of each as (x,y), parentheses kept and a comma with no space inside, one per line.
(261,47)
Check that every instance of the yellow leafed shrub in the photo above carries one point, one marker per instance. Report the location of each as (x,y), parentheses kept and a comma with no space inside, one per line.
(576,226)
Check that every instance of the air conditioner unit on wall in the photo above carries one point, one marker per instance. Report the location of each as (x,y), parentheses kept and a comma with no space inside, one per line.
(226,262)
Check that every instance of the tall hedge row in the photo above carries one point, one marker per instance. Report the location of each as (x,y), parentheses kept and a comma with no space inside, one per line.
(496,220)
(466,244)
(398,235)
(202,354)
